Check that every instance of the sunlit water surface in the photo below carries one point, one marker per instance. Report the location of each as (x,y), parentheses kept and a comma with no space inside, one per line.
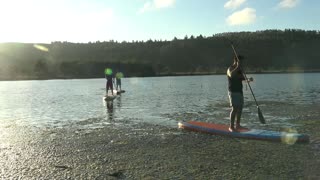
(158,100)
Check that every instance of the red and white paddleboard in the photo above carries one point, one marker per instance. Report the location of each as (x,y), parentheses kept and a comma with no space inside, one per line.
(221,129)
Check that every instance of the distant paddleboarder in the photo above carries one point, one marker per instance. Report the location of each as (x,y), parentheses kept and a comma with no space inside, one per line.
(119,75)
(110,80)
(235,78)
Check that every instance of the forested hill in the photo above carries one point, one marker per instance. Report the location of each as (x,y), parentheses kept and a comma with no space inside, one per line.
(264,51)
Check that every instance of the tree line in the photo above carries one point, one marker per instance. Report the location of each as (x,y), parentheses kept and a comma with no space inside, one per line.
(289,50)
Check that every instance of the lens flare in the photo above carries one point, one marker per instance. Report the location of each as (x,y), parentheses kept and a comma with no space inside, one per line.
(289,136)
(119,75)
(40,47)
(108,71)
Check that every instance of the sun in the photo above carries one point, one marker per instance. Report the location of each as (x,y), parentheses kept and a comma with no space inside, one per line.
(19,20)
(36,21)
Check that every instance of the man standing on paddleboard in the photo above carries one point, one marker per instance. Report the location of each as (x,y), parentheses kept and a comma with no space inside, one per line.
(110,80)
(119,75)
(235,78)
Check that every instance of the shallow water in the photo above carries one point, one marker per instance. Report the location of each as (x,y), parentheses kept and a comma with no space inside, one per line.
(160,100)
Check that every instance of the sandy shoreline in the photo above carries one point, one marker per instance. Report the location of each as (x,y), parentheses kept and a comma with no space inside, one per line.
(144,151)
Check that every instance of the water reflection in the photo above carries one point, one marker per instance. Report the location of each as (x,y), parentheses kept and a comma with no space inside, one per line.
(110,107)
(110,110)
(119,101)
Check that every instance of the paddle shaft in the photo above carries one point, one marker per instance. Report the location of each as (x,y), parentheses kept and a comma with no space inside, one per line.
(244,75)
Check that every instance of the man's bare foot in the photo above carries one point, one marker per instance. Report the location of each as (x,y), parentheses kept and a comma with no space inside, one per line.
(231,129)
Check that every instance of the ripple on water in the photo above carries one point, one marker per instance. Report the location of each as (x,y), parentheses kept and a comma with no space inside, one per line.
(154,100)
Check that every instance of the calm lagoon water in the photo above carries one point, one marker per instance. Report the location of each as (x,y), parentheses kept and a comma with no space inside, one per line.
(159,100)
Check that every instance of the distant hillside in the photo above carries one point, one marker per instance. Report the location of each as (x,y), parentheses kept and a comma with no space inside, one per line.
(264,51)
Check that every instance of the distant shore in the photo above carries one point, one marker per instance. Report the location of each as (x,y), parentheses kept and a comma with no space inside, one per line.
(248,72)
(17,78)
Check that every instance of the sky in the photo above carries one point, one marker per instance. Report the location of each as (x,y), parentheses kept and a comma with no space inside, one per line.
(45,21)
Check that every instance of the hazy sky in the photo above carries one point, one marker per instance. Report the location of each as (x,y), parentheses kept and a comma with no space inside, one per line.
(44,21)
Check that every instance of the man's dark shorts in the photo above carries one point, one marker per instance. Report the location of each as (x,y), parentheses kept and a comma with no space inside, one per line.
(236,99)
(109,85)
(118,81)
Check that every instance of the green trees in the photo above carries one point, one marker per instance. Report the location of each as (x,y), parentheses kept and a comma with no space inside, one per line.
(264,51)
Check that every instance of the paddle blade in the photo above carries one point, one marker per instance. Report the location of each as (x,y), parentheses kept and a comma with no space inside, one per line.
(261,118)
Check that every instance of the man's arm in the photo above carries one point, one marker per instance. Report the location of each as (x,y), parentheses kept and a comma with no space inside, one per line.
(234,72)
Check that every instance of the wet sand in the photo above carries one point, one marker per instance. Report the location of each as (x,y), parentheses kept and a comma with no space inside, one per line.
(132,150)
(144,151)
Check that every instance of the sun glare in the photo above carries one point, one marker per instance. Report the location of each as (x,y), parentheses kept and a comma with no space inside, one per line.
(20,21)
(35,21)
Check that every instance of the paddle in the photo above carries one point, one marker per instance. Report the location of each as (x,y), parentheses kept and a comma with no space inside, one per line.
(261,118)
